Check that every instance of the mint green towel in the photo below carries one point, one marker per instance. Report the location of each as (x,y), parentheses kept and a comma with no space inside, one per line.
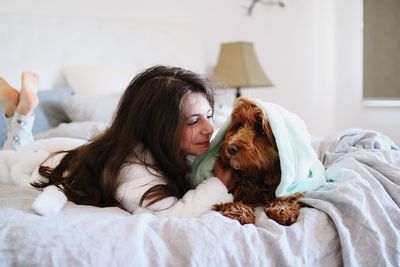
(302,171)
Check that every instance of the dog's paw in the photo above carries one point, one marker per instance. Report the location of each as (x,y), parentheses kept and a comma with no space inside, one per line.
(284,210)
(237,211)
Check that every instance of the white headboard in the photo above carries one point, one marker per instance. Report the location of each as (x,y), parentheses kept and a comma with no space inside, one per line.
(46,44)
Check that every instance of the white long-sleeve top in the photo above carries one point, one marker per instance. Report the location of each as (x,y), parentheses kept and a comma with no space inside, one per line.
(136,179)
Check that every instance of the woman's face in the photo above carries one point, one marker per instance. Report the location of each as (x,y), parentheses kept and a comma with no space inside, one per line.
(198,126)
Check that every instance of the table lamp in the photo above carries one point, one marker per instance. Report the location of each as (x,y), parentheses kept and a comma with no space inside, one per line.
(238,67)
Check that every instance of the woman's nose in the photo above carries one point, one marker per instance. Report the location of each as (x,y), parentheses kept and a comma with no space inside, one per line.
(208,127)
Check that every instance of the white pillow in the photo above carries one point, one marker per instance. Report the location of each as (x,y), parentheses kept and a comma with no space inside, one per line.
(91,108)
(97,80)
(79,130)
(221,113)
(222,108)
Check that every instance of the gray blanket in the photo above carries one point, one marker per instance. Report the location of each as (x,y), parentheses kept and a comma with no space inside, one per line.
(353,221)
(362,196)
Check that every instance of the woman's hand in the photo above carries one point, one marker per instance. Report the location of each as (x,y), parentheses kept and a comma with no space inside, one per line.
(225,175)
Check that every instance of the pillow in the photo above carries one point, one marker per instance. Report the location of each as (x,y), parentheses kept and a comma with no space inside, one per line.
(97,80)
(48,113)
(221,113)
(91,108)
(80,130)
(222,110)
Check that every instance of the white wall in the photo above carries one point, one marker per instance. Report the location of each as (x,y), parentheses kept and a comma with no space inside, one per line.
(310,49)
(350,111)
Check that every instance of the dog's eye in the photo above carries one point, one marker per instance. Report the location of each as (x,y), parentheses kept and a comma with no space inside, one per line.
(259,129)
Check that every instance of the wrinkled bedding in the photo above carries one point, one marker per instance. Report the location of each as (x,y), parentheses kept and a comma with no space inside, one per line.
(354,220)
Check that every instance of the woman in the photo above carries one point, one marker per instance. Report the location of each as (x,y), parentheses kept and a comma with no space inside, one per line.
(142,161)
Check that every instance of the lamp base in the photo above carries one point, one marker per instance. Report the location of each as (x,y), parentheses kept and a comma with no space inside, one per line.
(238,94)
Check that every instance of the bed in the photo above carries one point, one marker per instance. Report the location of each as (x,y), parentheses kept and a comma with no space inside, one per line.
(354,220)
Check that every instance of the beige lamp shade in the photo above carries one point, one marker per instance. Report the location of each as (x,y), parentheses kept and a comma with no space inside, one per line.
(238,67)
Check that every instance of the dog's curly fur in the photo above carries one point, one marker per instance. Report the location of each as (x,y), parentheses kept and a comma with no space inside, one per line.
(250,150)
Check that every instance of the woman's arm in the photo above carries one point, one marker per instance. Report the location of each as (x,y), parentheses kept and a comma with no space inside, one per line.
(137,180)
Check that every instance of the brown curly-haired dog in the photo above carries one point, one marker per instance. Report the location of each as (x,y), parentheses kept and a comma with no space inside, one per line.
(250,150)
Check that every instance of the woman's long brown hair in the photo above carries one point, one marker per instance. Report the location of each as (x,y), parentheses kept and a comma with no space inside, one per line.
(148,119)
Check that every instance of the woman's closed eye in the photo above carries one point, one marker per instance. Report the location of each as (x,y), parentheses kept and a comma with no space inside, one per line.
(193,120)
(210,114)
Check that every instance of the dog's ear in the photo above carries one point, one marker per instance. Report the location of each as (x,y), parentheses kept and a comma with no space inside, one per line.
(268,131)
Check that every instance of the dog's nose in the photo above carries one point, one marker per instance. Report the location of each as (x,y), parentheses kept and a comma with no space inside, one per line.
(233,150)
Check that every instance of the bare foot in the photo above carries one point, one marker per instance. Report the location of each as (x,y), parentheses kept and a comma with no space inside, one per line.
(28,99)
(9,98)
